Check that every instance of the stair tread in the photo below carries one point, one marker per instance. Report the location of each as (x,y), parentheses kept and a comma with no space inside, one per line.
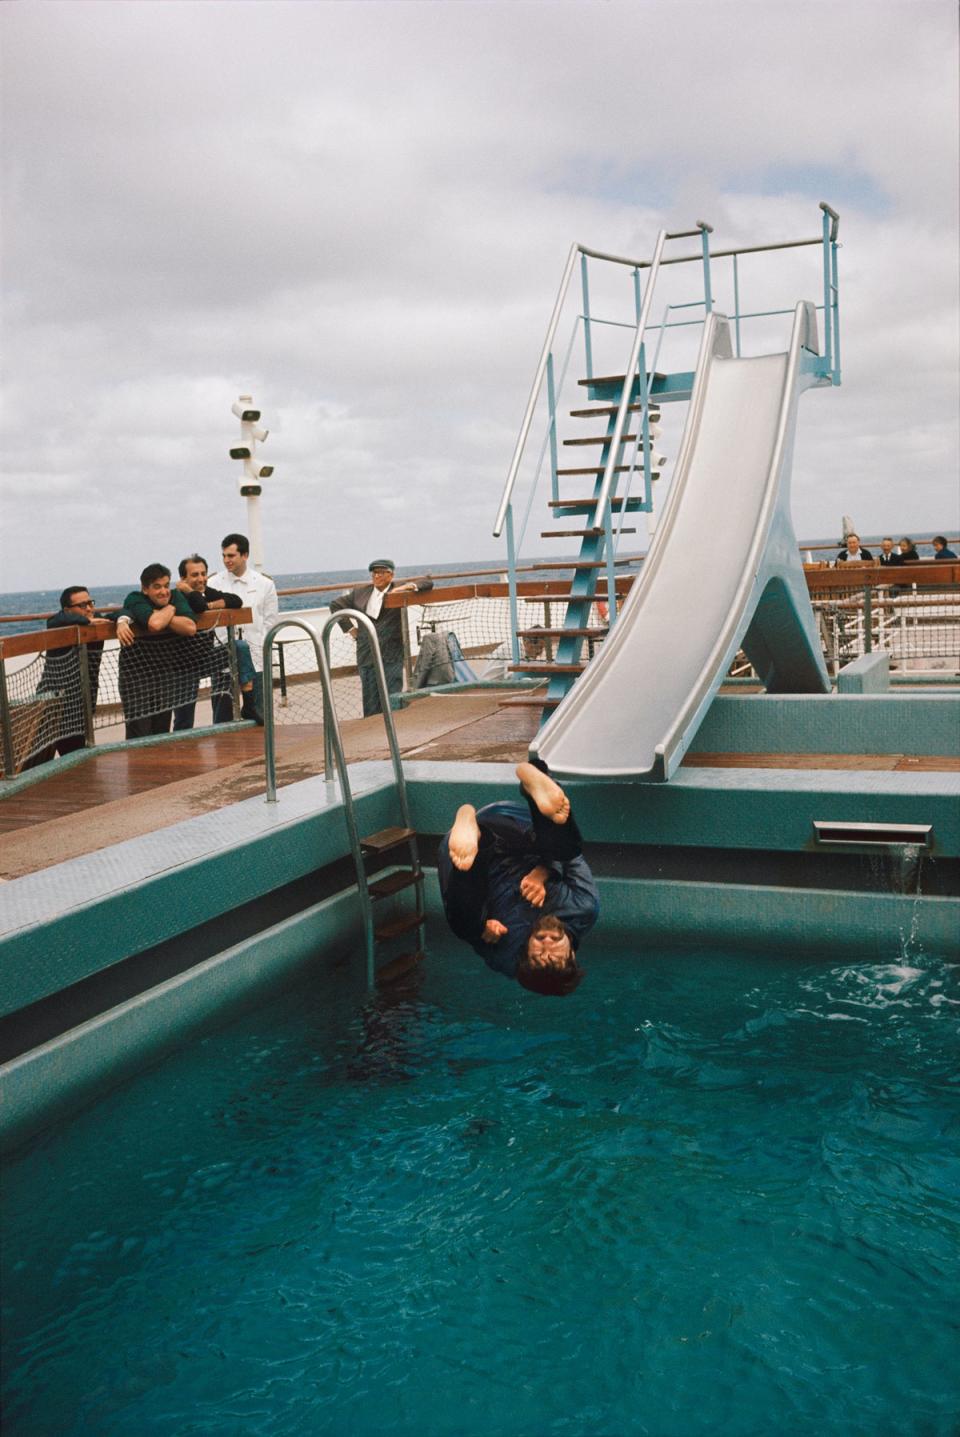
(618,378)
(561,633)
(601,439)
(601,468)
(583,563)
(591,501)
(544,666)
(543,703)
(579,533)
(385,838)
(395,926)
(394,882)
(399,966)
(601,409)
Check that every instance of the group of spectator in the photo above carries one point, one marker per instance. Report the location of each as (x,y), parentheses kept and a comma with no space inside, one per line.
(162,655)
(905,552)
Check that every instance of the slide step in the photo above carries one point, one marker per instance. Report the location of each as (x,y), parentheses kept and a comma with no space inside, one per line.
(395,926)
(545,668)
(617,379)
(386,838)
(543,703)
(398,967)
(560,633)
(602,409)
(394,883)
(617,469)
(633,505)
(601,439)
(578,533)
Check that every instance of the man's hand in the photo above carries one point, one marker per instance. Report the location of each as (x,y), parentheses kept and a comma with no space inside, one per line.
(408,588)
(493,930)
(125,634)
(534,886)
(352,633)
(183,586)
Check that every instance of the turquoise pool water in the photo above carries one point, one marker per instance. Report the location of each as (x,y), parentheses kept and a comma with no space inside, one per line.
(711,1194)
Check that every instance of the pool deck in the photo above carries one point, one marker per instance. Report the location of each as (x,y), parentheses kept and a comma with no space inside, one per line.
(126,791)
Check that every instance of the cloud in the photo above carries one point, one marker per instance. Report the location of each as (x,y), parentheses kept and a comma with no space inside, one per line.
(360,212)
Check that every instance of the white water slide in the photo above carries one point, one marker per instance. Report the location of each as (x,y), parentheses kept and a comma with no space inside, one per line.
(723,573)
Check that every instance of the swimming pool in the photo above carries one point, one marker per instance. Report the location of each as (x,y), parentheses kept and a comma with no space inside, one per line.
(713,1193)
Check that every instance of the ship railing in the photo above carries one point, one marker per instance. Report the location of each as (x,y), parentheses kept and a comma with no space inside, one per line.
(66,689)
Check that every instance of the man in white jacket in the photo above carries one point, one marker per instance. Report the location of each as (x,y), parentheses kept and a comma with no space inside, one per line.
(259,595)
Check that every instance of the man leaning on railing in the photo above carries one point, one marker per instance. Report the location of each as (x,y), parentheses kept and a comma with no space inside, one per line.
(158,668)
(61,675)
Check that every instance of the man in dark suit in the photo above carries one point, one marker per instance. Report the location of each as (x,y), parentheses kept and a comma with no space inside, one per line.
(63,728)
(368,598)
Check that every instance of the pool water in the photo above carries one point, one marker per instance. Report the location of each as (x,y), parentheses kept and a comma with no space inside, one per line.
(712,1193)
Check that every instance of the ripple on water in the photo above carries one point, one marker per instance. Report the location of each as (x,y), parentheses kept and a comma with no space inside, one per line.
(715,1193)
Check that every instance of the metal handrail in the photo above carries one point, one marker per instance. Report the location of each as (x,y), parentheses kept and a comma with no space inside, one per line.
(616,438)
(321,646)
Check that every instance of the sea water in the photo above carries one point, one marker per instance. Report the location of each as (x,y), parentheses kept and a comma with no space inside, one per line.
(711,1193)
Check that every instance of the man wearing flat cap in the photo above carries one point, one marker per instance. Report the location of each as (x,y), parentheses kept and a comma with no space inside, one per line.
(368,598)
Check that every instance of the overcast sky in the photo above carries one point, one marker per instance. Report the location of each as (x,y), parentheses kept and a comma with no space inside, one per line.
(359,213)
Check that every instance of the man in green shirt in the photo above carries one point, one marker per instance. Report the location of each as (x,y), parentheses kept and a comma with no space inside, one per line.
(158,664)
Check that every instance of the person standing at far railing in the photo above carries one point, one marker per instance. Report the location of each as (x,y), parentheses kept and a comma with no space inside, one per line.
(941,549)
(258,593)
(368,598)
(203,599)
(158,670)
(853,553)
(887,555)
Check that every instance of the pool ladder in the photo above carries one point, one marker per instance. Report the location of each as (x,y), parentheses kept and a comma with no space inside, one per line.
(371,887)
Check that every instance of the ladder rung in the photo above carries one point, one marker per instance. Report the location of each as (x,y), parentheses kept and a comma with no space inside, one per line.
(394,883)
(617,469)
(386,838)
(398,967)
(395,926)
(601,439)
(602,409)
(543,667)
(561,633)
(543,703)
(618,379)
(579,533)
(591,503)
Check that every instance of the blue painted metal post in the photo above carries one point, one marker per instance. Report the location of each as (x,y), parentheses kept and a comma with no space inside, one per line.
(552,427)
(836,311)
(827,305)
(512,585)
(587,337)
(736,303)
(705,233)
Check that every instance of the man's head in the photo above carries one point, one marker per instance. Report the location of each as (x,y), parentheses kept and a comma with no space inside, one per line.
(155,583)
(887,545)
(194,570)
(939,543)
(548,965)
(381,573)
(235,549)
(77,600)
(853,544)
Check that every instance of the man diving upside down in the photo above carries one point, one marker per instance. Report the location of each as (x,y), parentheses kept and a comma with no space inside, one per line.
(516,887)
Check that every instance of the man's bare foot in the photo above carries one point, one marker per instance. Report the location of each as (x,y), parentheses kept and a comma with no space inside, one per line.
(546,794)
(464,837)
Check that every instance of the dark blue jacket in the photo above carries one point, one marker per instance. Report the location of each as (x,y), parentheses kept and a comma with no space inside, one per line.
(571,892)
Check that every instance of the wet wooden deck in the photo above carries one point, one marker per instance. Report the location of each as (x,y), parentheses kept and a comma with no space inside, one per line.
(129,791)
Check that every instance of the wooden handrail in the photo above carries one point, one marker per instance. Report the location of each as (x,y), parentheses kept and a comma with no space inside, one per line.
(101,629)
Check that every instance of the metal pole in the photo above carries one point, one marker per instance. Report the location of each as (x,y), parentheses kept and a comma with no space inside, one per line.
(254,530)
(512,586)
(736,302)
(86,695)
(234,671)
(706,231)
(587,336)
(827,309)
(867,620)
(6,728)
(552,422)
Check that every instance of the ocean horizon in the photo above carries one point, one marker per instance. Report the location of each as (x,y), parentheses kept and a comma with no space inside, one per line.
(46,601)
